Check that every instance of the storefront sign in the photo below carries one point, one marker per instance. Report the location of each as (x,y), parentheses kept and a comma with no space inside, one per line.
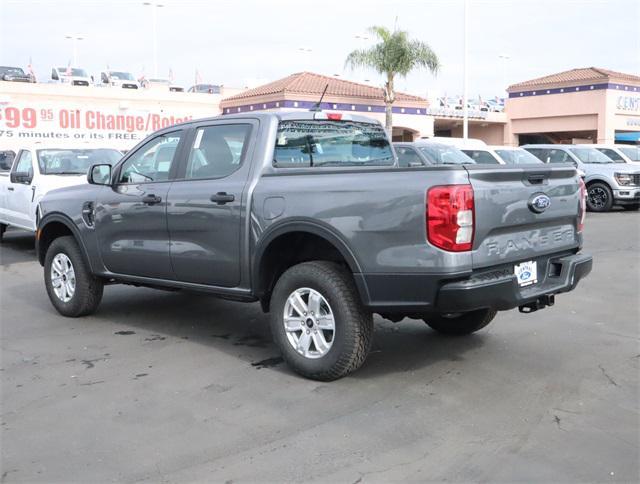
(628,103)
(104,126)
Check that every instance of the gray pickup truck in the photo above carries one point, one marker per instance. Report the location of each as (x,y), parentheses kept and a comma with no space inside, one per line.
(309,214)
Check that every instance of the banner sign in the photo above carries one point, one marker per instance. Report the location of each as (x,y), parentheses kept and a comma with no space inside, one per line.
(118,128)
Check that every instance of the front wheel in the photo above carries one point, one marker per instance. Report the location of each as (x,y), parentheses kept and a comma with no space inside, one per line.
(318,321)
(460,323)
(599,197)
(72,288)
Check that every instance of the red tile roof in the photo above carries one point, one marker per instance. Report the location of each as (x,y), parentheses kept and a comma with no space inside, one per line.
(313,84)
(582,75)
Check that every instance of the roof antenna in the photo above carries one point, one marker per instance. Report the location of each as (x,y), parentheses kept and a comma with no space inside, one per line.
(316,107)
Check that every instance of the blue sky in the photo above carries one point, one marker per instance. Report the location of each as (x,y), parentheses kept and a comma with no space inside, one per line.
(235,42)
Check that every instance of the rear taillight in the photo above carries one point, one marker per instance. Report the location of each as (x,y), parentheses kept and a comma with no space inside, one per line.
(583,204)
(450,217)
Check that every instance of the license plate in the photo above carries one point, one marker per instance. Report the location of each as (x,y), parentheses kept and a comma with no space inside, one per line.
(526,272)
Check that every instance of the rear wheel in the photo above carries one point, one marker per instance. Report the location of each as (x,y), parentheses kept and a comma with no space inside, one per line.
(599,197)
(318,321)
(460,323)
(72,288)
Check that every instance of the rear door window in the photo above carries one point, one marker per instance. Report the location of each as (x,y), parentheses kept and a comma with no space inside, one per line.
(408,157)
(481,156)
(217,151)
(611,154)
(302,143)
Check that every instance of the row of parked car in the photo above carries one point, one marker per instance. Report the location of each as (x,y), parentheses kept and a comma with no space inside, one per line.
(76,76)
(611,172)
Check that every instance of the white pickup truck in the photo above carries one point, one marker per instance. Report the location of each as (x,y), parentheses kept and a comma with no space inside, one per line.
(39,168)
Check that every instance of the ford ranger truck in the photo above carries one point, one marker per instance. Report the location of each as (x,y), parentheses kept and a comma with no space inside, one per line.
(308,214)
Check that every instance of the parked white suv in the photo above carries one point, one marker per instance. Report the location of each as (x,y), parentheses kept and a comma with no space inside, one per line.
(39,168)
(74,76)
(121,79)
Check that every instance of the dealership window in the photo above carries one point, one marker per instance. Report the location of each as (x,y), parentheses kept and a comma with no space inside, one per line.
(152,161)
(217,151)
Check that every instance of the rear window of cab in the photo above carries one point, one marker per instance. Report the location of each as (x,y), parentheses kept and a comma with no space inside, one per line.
(312,143)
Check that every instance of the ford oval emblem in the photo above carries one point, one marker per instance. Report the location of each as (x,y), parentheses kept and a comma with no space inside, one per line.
(539,202)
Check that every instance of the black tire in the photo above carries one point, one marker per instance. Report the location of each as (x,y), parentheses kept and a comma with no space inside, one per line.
(353,333)
(462,323)
(599,197)
(631,207)
(88,288)
(3,229)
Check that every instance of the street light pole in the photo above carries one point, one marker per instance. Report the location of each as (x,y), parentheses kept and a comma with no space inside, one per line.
(465,75)
(504,58)
(154,33)
(74,46)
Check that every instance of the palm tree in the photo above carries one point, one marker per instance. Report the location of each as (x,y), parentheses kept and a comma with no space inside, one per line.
(394,54)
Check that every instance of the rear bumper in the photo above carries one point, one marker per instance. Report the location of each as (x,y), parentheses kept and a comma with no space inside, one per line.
(500,289)
(496,287)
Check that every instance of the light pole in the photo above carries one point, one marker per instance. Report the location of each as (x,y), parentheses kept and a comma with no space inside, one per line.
(74,42)
(504,58)
(154,23)
(305,51)
(465,75)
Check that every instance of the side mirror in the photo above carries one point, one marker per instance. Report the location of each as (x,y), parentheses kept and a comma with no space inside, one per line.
(99,175)
(21,177)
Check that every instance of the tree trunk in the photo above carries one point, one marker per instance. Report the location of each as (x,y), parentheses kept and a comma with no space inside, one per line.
(388,124)
(389,98)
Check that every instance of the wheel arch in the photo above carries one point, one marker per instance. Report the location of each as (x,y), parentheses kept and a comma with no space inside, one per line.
(315,241)
(53,226)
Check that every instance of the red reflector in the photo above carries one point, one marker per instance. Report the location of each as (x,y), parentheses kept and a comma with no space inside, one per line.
(334,116)
(582,212)
(450,217)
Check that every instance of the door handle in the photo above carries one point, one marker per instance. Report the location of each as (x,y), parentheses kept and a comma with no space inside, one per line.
(222,197)
(10,189)
(151,199)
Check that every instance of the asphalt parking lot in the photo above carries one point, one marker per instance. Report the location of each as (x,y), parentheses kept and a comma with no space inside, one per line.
(171,387)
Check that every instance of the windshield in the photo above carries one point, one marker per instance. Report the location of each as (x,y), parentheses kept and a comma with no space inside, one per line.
(633,152)
(445,155)
(590,155)
(517,157)
(337,143)
(13,71)
(121,76)
(74,72)
(74,162)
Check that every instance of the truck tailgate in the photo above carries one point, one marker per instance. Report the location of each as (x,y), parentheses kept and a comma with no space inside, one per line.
(511,221)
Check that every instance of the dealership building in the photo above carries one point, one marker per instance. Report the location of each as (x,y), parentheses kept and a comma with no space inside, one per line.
(586,105)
